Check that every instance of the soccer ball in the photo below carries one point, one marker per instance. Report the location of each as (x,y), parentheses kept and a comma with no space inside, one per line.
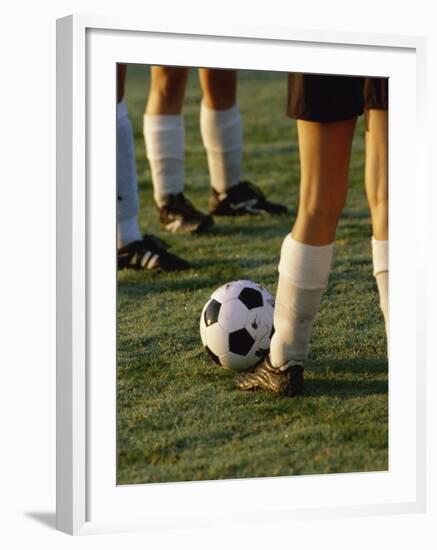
(236,325)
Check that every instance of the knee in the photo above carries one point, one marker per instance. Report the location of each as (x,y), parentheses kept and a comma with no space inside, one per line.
(316,224)
(378,201)
(327,215)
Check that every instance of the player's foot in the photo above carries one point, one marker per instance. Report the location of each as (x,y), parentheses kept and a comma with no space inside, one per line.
(266,377)
(243,198)
(149,253)
(178,215)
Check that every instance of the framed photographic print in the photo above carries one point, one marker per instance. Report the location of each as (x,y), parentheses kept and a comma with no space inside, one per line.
(196,382)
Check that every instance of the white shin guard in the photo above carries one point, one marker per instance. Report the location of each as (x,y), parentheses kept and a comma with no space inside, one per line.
(164,137)
(222,137)
(303,275)
(127,189)
(380,271)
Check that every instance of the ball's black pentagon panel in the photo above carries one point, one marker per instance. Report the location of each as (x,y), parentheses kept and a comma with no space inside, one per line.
(251,298)
(212,312)
(212,355)
(240,342)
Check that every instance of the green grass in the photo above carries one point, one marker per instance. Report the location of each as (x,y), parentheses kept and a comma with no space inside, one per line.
(179,416)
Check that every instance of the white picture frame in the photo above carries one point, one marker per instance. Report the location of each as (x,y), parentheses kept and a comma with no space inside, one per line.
(87,498)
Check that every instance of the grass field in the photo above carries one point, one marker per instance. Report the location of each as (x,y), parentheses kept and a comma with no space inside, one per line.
(179,416)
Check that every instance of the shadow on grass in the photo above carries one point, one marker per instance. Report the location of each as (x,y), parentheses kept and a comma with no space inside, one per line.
(352,365)
(345,270)
(235,263)
(254,228)
(142,284)
(157,285)
(334,378)
(346,389)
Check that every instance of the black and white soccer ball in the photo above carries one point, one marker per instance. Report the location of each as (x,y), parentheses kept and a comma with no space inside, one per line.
(236,324)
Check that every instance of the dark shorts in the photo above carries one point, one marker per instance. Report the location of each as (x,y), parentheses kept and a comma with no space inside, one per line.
(329,98)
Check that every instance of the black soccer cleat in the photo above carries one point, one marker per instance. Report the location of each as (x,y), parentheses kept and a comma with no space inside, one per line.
(264,376)
(243,198)
(149,253)
(178,215)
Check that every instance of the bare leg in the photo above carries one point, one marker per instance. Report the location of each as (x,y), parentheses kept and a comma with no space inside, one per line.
(219,88)
(376,181)
(167,90)
(324,158)
(376,176)
(306,255)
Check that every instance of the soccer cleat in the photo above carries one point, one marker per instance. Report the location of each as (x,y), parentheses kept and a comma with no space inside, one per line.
(178,215)
(264,376)
(149,253)
(243,198)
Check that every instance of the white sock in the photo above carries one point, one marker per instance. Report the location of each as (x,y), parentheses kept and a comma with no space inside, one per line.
(128,231)
(303,275)
(222,136)
(164,137)
(127,188)
(380,271)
